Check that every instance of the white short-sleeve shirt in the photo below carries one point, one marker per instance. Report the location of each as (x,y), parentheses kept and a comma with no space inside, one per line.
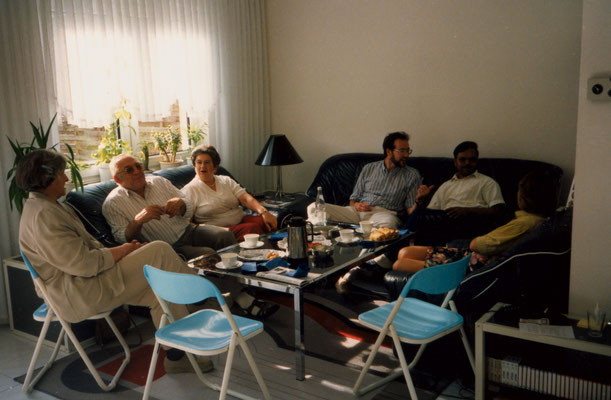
(220,207)
(475,190)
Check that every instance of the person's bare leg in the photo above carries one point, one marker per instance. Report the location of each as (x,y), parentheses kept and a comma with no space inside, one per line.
(411,258)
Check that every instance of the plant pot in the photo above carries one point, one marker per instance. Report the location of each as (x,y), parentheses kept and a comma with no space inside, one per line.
(167,164)
(104,170)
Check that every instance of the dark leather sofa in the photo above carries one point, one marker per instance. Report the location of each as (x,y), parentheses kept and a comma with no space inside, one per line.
(536,270)
(88,205)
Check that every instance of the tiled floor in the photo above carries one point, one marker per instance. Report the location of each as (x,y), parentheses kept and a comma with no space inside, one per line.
(16,352)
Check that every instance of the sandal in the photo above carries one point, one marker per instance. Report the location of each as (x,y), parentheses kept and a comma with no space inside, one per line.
(264,309)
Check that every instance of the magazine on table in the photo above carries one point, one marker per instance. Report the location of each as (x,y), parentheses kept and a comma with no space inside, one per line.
(279,274)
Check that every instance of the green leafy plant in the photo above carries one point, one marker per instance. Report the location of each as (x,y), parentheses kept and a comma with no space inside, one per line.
(17,196)
(110,145)
(168,142)
(144,153)
(196,134)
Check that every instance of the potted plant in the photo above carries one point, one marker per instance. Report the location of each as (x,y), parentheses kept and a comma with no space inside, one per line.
(145,154)
(17,196)
(110,146)
(168,143)
(196,134)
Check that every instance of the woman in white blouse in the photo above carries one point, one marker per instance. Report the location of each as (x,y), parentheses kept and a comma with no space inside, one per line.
(217,198)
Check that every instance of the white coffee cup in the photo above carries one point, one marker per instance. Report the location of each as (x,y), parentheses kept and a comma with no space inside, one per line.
(229,259)
(366,227)
(347,235)
(251,239)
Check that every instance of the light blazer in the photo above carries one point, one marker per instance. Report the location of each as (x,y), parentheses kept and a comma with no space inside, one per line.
(80,273)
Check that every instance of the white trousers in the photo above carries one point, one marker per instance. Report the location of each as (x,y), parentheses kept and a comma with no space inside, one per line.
(381,217)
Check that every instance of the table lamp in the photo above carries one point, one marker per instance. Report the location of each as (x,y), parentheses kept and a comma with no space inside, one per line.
(277,152)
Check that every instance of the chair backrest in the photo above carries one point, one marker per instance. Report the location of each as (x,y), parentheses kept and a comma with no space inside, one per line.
(29,265)
(180,288)
(438,279)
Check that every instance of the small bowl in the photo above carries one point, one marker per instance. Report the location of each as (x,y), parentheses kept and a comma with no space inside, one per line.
(321,250)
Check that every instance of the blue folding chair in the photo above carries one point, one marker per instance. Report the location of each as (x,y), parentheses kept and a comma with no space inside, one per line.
(414,321)
(205,332)
(47,313)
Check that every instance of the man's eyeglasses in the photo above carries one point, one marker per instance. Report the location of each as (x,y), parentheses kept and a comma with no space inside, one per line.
(130,169)
(404,151)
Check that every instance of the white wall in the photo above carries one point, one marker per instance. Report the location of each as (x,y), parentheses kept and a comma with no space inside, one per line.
(590,265)
(503,73)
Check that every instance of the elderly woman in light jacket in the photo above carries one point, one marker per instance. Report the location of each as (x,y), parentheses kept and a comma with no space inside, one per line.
(82,276)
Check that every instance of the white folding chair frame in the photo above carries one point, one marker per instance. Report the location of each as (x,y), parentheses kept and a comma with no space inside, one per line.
(30,380)
(236,338)
(404,368)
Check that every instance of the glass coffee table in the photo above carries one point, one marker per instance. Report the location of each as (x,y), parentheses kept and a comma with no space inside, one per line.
(344,257)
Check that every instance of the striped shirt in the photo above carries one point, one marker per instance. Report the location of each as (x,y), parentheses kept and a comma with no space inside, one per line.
(122,205)
(393,189)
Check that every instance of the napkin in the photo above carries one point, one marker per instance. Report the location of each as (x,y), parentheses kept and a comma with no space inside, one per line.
(300,272)
(277,235)
(253,267)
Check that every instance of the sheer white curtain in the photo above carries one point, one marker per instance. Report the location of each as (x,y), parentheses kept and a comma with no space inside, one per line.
(150,52)
(240,120)
(27,93)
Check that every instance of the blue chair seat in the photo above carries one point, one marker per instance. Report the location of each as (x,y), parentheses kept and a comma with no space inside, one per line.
(206,330)
(416,320)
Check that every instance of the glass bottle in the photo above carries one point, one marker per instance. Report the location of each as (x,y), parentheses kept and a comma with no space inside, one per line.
(320,212)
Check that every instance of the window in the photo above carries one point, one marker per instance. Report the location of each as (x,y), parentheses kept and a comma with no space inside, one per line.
(155,55)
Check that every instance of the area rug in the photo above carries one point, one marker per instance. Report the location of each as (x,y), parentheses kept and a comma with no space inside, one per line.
(331,335)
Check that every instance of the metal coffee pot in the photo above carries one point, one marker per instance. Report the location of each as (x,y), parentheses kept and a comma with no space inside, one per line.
(297,240)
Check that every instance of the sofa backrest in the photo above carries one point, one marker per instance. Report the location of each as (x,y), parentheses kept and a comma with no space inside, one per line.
(88,205)
(339,173)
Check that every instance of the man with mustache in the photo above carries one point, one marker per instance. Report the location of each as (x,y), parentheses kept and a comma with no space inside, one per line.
(384,189)
(466,206)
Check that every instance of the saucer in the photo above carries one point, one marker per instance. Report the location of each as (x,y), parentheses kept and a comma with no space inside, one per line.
(359,230)
(220,265)
(245,246)
(354,240)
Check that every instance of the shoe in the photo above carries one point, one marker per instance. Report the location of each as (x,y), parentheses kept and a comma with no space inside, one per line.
(343,283)
(183,365)
(262,311)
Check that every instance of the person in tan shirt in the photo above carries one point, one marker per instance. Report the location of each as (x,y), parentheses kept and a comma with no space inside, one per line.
(82,276)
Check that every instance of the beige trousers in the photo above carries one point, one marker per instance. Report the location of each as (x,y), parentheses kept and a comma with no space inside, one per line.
(137,290)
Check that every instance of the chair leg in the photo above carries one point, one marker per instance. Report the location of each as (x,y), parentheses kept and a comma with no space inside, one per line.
(464,339)
(368,363)
(465,343)
(30,382)
(149,377)
(404,366)
(254,368)
(125,350)
(227,372)
(87,361)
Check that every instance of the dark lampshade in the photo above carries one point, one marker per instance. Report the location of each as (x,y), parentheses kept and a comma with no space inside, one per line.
(278,151)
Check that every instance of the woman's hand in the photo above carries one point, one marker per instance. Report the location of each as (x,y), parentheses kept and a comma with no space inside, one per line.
(270,220)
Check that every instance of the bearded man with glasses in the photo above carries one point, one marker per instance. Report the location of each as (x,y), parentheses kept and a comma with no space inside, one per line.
(384,190)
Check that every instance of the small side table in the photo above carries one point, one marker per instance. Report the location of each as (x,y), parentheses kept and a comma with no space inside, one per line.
(485,326)
(295,206)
